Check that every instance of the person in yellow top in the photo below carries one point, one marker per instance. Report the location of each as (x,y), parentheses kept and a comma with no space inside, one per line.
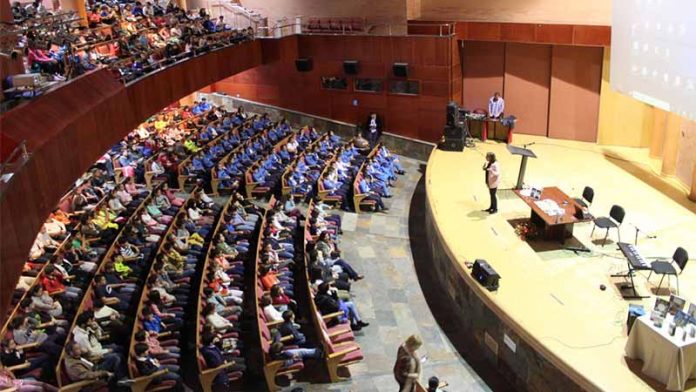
(190,145)
(160,124)
(103,218)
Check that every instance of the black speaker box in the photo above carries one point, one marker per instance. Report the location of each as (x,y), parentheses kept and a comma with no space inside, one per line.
(485,274)
(452,144)
(350,67)
(303,64)
(453,132)
(400,70)
(452,114)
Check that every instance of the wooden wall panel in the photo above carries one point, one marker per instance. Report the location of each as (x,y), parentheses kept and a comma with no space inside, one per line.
(455,72)
(592,35)
(484,69)
(527,83)
(518,32)
(575,84)
(592,12)
(561,34)
(429,59)
(483,31)
(554,34)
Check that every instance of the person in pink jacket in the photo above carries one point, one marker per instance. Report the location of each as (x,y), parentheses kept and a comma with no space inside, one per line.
(492,169)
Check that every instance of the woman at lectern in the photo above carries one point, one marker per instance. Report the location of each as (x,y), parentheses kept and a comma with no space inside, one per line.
(492,169)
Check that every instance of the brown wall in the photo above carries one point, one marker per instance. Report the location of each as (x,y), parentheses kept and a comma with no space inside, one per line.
(422,116)
(576,75)
(592,12)
(484,72)
(553,90)
(527,82)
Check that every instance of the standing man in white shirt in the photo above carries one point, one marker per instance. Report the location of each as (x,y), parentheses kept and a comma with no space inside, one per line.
(374,129)
(492,169)
(496,106)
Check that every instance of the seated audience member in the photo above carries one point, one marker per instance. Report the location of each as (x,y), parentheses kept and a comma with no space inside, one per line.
(292,355)
(162,349)
(22,332)
(87,334)
(289,328)
(52,282)
(147,365)
(79,368)
(8,381)
(326,245)
(269,310)
(214,357)
(328,302)
(11,355)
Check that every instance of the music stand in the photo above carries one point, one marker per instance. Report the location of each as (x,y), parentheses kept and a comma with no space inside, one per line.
(525,153)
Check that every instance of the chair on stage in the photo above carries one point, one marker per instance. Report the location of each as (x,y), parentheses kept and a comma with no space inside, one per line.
(614,220)
(664,268)
(587,197)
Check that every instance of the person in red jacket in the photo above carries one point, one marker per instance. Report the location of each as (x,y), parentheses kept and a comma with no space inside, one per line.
(52,281)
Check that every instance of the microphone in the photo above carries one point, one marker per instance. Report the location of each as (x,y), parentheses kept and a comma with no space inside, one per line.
(528,144)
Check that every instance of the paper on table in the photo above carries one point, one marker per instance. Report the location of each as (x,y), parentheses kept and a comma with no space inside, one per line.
(550,207)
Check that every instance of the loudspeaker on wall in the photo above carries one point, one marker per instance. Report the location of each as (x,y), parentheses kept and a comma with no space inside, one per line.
(400,70)
(350,67)
(303,64)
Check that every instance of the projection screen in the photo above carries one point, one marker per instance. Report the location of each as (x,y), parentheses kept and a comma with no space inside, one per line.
(653,53)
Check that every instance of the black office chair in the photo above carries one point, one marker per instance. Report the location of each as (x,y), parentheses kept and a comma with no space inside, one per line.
(614,220)
(663,268)
(587,197)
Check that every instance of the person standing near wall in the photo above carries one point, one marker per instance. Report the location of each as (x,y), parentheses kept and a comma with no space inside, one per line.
(373,129)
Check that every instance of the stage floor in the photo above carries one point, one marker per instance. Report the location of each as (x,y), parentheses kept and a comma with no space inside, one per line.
(552,294)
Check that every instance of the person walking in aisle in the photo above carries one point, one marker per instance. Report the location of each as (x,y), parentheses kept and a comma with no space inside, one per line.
(407,368)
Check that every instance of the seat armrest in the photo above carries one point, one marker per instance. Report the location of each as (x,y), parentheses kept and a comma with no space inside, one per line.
(332,315)
(344,352)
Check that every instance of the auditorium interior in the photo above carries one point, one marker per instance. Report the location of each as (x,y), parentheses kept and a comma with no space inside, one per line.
(303,195)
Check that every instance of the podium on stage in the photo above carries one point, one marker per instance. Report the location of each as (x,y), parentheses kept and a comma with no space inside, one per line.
(525,153)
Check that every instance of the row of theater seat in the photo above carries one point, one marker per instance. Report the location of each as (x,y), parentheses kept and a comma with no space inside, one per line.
(222,365)
(117,290)
(333,344)
(299,178)
(334,330)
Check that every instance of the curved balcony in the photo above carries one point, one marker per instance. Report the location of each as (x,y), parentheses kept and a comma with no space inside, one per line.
(66,130)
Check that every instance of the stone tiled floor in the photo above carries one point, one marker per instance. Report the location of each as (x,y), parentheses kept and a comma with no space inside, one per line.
(391,300)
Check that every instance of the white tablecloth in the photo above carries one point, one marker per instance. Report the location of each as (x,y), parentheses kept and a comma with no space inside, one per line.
(666,358)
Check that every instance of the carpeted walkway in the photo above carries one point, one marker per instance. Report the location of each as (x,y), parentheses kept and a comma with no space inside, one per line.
(391,300)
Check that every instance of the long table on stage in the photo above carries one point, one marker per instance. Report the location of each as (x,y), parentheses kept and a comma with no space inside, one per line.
(558,227)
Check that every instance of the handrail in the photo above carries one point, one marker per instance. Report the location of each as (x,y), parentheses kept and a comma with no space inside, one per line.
(253,19)
(21,148)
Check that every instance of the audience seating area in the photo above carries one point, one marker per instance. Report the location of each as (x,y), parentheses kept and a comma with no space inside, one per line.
(137,260)
(130,38)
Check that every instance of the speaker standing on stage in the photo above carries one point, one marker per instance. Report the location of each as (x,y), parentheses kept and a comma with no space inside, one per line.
(492,169)
(496,106)
(373,129)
